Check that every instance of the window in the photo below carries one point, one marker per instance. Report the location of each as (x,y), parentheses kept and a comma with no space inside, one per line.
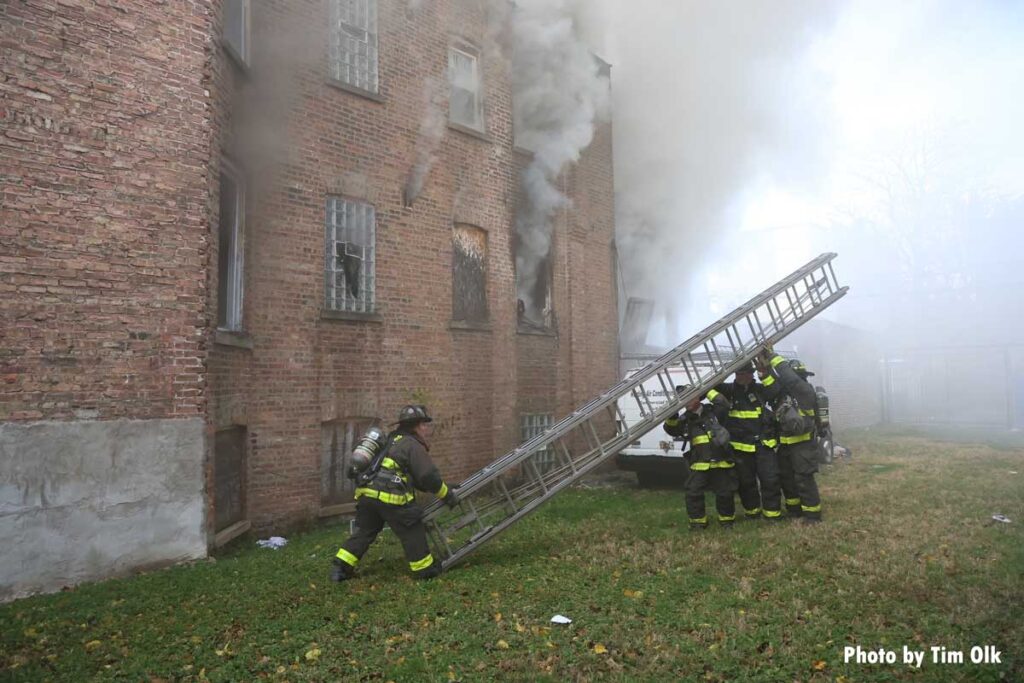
(236,28)
(350,235)
(228,477)
(337,439)
(466,105)
(353,48)
(532,425)
(469,274)
(230,251)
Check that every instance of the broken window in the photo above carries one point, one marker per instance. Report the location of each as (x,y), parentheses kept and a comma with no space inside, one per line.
(236,28)
(469,274)
(535,424)
(466,104)
(229,251)
(353,46)
(350,238)
(229,477)
(337,439)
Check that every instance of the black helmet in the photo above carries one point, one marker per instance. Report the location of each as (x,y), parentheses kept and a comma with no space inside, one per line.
(413,414)
(746,367)
(800,369)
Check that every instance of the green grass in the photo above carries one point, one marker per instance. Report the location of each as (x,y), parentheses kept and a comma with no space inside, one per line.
(907,556)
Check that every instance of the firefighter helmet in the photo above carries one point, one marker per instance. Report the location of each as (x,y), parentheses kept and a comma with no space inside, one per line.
(800,369)
(746,367)
(413,414)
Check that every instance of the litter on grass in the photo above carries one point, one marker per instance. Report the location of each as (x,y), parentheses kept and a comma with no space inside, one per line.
(1001,518)
(559,619)
(274,542)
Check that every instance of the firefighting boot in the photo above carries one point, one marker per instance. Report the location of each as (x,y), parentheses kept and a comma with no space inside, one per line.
(340,571)
(428,573)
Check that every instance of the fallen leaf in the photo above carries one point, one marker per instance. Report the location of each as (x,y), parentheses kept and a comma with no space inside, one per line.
(313,655)
(600,649)
(502,645)
(497,616)
(820,665)
(92,645)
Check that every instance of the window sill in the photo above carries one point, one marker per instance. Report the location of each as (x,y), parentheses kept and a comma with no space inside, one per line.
(243,67)
(535,330)
(228,338)
(365,94)
(471,132)
(526,151)
(225,536)
(470,325)
(328,314)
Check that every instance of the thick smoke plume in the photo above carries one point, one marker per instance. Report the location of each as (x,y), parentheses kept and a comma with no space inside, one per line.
(558,96)
(432,129)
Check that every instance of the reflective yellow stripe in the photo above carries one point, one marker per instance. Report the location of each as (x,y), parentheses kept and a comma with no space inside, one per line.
(699,520)
(753,513)
(422,564)
(672,422)
(770,443)
(772,513)
(730,518)
(807,413)
(745,414)
(443,491)
(712,394)
(792,501)
(811,508)
(390,498)
(768,381)
(745,447)
(398,438)
(700,466)
(722,464)
(702,439)
(777,360)
(787,440)
(347,557)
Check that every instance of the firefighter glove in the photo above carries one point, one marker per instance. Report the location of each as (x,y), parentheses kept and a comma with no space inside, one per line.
(452,499)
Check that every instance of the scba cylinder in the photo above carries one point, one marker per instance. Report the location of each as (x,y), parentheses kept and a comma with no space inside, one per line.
(367,449)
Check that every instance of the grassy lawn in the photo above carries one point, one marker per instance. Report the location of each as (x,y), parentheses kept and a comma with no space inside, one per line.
(908,556)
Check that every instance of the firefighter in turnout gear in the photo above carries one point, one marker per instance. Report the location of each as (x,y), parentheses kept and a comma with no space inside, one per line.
(788,389)
(711,468)
(753,443)
(386,496)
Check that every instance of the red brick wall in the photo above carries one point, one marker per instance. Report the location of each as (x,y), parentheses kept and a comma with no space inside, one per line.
(105,144)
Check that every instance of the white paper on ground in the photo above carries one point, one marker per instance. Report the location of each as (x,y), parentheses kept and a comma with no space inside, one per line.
(559,619)
(1001,518)
(274,542)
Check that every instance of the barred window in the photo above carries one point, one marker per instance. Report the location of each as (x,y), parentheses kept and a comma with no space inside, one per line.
(466,105)
(353,47)
(534,424)
(350,231)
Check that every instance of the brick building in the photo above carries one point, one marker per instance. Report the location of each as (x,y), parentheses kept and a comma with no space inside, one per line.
(234,234)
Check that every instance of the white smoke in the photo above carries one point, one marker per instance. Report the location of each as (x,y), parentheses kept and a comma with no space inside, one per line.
(432,129)
(558,97)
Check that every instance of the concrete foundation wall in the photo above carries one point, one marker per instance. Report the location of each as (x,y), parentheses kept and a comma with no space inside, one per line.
(82,501)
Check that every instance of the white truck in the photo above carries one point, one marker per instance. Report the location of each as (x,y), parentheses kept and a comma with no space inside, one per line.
(657,458)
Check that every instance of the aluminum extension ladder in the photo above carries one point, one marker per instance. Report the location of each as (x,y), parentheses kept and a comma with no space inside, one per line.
(519,482)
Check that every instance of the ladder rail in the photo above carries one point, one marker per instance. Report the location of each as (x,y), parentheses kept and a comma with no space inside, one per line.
(807,291)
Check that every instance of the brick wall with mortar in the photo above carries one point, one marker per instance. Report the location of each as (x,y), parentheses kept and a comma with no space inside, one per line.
(105,143)
(306,368)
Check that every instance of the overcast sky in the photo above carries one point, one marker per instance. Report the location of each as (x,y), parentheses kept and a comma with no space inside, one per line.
(753,135)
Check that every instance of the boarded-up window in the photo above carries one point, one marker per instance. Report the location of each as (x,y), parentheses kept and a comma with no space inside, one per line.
(337,439)
(469,274)
(229,477)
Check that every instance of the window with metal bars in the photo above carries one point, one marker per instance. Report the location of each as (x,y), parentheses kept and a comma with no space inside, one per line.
(469,274)
(353,43)
(534,424)
(350,232)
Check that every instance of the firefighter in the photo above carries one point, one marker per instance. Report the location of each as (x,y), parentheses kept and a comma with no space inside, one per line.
(709,467)
(786,382)
(388,498)
(752,442)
